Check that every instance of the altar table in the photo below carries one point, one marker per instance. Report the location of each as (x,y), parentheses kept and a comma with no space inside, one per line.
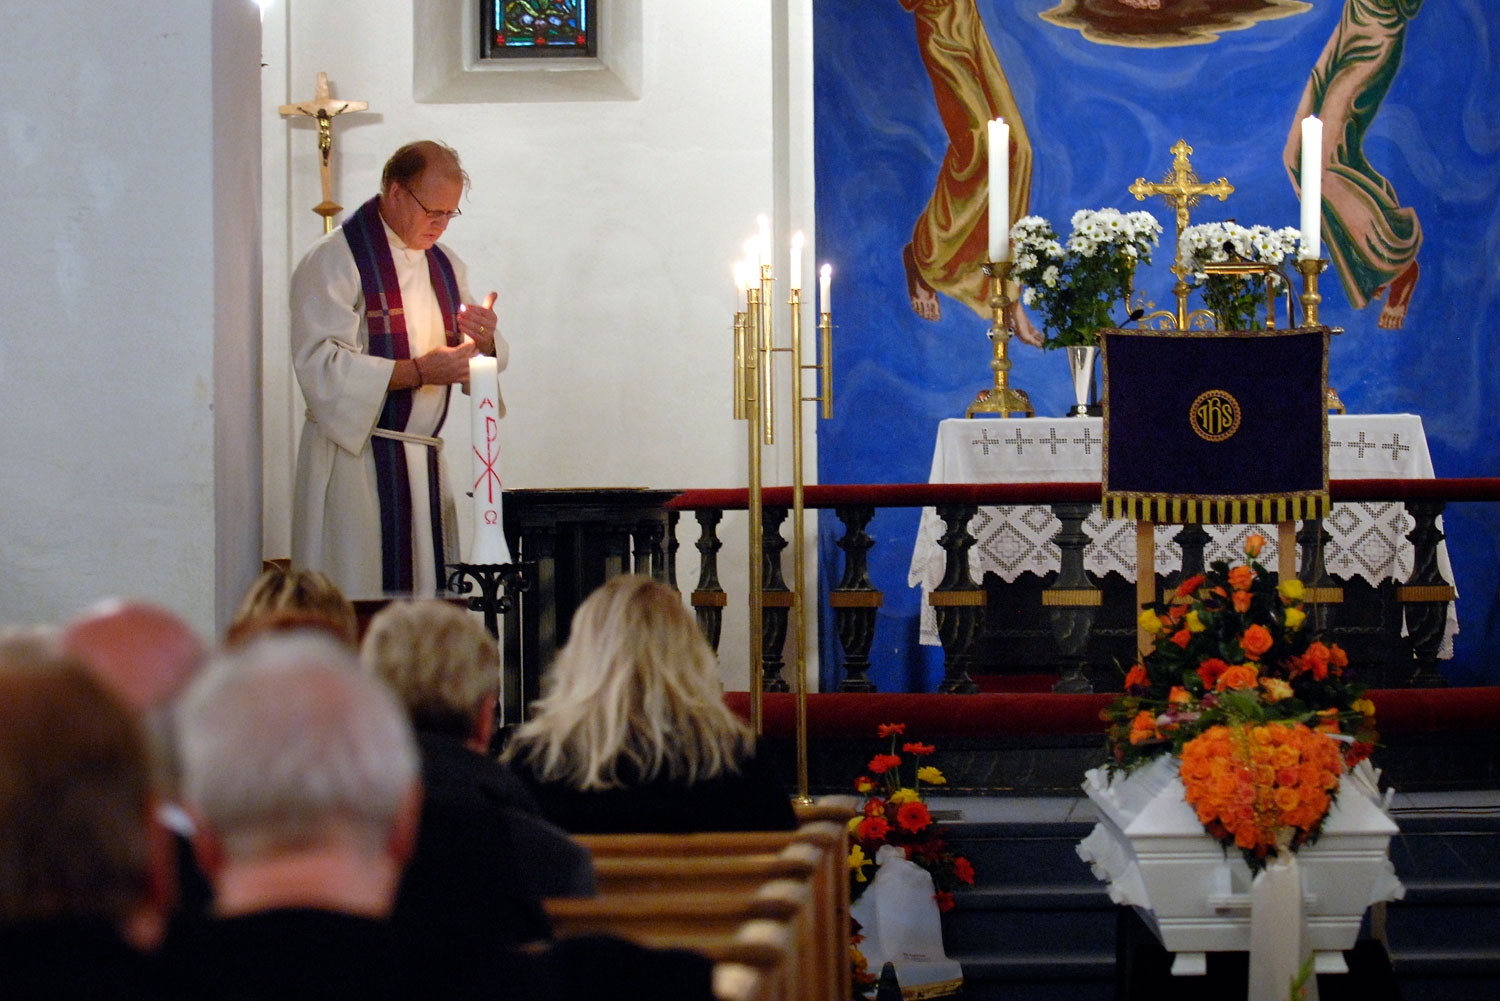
(1368,539)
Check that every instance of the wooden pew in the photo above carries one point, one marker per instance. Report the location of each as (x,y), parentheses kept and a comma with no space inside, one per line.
(753,945)
(737,862)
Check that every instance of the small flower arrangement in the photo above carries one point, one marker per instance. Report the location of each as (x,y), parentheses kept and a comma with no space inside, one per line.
(1235,298)
(1257,707)
(1077,288)
(895,814)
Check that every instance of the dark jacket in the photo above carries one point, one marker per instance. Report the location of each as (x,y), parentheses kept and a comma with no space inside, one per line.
(753,799)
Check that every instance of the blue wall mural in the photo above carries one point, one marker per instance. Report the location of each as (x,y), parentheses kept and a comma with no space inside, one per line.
(1099,114)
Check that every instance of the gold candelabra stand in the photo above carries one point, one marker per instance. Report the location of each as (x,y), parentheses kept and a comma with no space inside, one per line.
(754,380)
(1001,398)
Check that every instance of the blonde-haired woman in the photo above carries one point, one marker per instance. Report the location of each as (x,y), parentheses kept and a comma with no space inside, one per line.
(632,733)
(283,600)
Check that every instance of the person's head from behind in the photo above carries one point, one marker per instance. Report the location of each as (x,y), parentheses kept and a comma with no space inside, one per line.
(634,693)
(77,834)
(441,663)
(420,189)
(289,752)
(143,652)
(291,600)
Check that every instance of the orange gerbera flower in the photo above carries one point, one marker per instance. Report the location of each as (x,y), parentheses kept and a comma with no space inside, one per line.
(873,829)
(890,729)
(919,749)
(1210,670)
(882,763)
(913,816)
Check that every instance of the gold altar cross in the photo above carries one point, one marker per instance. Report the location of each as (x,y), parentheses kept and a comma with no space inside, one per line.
(1182,189)
(325,109)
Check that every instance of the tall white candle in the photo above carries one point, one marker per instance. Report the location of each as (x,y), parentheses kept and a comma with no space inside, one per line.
(484,402)
(741,279)
(999,136)
(1312,187)
(763,231)
(797,240)
(825,282)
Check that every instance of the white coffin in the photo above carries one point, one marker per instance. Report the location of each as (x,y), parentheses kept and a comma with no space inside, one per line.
(1154,854)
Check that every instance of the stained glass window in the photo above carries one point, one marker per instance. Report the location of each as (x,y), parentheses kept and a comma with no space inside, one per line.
(538,28)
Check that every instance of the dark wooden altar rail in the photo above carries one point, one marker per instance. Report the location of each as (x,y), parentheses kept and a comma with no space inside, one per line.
(1071,599)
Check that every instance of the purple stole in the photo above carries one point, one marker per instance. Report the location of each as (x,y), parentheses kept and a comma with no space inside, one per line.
(386,321)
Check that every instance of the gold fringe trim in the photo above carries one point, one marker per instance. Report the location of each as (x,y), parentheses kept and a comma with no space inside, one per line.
(1167,509)
(936,989)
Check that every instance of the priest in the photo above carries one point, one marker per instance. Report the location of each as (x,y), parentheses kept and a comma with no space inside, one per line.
(382,328)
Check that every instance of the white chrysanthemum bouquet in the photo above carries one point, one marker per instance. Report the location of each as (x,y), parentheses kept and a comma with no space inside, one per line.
(1082,287)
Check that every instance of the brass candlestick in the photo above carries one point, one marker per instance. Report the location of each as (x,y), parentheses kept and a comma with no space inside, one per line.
(1001,398)
(1311,267)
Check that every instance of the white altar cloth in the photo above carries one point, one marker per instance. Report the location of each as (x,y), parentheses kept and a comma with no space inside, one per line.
(1369,539)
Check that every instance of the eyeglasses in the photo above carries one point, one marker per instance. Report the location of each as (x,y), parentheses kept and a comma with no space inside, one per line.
(432,213)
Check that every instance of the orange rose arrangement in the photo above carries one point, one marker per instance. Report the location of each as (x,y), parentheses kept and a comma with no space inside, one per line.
(1256,786)
(1263,713)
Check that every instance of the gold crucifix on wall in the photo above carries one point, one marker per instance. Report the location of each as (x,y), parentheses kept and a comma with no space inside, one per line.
(1182,189)
(325,109)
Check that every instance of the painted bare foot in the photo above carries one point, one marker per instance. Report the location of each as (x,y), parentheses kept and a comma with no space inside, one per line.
(1398,298)
(1020,325)
(924,300)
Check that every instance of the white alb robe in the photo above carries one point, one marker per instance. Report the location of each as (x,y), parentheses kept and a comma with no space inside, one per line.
(335,505)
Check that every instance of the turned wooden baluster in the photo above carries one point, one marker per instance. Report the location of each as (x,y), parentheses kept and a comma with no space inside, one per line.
(708,597)
(776,602)
(1323,594)
(1191,540)
(1426,594)
(855,600)
(958,602)
(1073,599)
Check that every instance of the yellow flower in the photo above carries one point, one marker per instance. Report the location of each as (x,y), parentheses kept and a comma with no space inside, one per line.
(930,775)
(1363,706)
(854,823)
(1295,618)
(1291,590)
(903,796)
(1195,624)
(1276,689)
(857,861)
(1149,622)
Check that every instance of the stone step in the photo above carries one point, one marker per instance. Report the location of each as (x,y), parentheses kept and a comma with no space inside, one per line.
(1040,976)
(1062,921)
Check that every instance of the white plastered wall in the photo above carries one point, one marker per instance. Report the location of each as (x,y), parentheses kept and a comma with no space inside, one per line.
(129,338)
(605,212)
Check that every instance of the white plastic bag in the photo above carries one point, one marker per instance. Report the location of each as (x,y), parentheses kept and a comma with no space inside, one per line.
(899,919)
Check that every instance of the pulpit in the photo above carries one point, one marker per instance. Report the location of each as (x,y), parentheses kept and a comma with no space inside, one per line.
(572,541)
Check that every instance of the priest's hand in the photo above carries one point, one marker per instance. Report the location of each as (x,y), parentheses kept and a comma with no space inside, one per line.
(479,323)
(445,365)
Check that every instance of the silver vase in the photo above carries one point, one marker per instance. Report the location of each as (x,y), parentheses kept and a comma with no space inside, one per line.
(1085,386)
